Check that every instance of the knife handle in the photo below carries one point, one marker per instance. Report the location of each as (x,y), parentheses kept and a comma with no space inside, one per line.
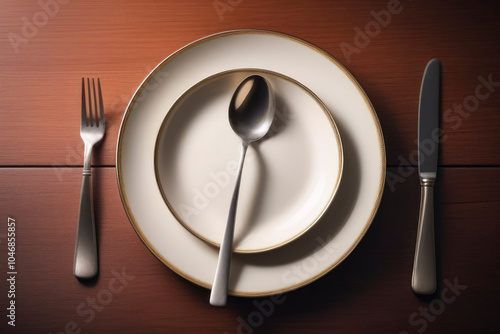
(424,265)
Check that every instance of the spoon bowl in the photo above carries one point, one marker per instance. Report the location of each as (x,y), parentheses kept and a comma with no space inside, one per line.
(251,110)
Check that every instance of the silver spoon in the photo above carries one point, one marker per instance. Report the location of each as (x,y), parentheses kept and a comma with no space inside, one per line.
(251,113)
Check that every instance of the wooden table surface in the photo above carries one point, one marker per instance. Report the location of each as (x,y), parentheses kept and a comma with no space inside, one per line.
(46,47)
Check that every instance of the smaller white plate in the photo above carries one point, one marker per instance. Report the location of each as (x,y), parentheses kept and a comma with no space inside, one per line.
(289,178)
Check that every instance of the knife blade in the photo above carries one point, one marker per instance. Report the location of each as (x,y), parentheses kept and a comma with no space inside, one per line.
(424,265)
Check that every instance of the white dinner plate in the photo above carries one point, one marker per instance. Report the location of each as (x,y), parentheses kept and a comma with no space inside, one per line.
(290,177)
(331,239)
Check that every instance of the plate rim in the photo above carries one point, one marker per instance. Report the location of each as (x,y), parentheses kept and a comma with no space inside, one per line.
(330,58)
(325,110)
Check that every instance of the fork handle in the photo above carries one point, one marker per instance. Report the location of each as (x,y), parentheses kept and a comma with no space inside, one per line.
(85,264)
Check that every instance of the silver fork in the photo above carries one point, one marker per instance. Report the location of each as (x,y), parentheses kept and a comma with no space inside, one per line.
(92,129)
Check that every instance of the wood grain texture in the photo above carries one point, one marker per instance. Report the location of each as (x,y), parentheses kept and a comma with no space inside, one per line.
(121,41)
(368,293)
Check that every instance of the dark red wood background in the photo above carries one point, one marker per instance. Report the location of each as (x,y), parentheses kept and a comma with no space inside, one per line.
(121,41)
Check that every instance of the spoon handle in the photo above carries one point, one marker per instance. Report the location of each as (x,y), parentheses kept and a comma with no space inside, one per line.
(218,295)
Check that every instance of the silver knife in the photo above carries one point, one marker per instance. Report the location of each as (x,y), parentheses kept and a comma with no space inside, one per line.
(424,266)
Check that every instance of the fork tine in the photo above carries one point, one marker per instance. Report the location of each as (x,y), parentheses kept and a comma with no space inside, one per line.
(96,118)
(102,120)
(83,121)
(91,123)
